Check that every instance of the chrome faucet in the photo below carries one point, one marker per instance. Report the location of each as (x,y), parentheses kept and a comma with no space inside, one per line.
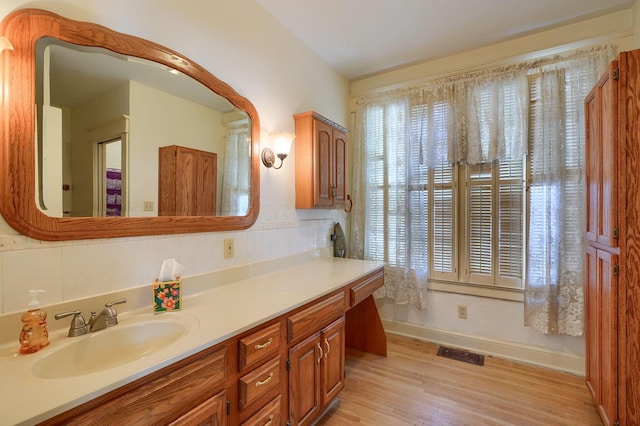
(108,317)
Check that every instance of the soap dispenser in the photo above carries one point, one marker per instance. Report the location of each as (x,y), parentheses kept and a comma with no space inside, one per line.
(34,335)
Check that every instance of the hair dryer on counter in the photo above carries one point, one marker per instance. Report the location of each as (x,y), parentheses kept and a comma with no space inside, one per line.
(339,243)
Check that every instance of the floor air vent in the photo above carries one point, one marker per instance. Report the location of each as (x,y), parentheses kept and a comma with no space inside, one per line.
(460,355)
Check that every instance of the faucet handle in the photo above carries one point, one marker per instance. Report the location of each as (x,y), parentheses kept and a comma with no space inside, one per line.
(116,302)
(78,326)
(113,318)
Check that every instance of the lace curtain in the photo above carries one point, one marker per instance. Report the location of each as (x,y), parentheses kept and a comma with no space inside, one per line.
(473,118)
(388,220)
(399,136)
(236,172)
(554,289)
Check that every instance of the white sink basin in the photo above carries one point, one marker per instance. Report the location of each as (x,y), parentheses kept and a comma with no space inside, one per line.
(109,348)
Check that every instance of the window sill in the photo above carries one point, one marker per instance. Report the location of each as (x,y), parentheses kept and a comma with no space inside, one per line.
(503,293)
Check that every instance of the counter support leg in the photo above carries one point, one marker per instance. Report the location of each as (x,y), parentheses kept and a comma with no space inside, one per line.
(364,330)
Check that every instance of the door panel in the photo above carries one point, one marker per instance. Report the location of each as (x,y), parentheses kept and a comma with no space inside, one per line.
(607,104)
(608,332)
(592,333)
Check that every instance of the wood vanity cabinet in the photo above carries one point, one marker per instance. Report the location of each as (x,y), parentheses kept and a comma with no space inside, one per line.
(285,370)
(186,182)
(321,155)
(190,392)
(612,314)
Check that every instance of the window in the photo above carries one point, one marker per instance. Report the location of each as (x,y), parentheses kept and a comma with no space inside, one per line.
(474,183)
(474,227)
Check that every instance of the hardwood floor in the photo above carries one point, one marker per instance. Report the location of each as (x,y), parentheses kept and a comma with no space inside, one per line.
(413,386)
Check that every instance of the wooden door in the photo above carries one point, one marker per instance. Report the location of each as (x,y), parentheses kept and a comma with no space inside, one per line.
(592,324)
(323,164)
(333,360)
(304,381)
(206,185)
(339,168)
(607,99)
(212,412)
(608,342)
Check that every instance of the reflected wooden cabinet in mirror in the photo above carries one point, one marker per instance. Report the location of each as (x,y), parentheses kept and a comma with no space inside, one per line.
(32,200)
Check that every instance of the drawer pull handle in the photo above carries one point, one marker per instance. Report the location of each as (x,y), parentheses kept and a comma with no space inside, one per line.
(270,420)
(265,381)
(320,349)
(326,342)
(264,345)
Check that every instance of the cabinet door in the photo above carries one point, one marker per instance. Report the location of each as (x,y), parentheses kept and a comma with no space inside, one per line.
(339,168)
(304,381)
(608,342)
(206,185)
(333,361)
(323,163)
(607,98)
(212,412)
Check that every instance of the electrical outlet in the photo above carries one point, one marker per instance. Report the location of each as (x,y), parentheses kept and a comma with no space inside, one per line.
(228,248)
(462,312)
(148,206)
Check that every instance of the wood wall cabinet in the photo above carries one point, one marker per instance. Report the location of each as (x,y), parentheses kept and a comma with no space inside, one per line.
(613,241)
(186,182)
(321,155)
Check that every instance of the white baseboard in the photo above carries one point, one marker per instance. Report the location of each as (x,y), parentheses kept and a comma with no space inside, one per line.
(561,361)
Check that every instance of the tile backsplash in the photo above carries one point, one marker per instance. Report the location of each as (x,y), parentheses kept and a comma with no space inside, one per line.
(79,269)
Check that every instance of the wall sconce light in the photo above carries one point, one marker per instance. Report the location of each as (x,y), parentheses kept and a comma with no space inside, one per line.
(5,44)
(281,145)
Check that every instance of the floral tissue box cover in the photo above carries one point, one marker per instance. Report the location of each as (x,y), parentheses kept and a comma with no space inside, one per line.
(166,296)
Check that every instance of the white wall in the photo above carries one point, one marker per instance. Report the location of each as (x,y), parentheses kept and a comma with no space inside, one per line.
(496,326)
(160,119)
(104,108)
(245,47)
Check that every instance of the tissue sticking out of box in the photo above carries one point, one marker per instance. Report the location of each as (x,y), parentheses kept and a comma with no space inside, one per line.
(170,270)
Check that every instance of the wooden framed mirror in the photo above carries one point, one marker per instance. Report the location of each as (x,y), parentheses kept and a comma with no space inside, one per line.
(25,164)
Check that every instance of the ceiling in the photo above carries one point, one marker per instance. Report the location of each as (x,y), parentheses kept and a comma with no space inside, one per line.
(364,37)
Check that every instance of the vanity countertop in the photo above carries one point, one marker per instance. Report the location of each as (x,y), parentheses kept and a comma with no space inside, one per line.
(215,315)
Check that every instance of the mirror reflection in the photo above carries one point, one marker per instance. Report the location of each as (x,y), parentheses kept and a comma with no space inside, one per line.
(122,136)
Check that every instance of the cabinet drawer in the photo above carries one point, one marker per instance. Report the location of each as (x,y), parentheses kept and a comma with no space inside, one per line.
(211,412)
(269,415)
(259,382)
(364,289)
(259,346)
(315,317)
